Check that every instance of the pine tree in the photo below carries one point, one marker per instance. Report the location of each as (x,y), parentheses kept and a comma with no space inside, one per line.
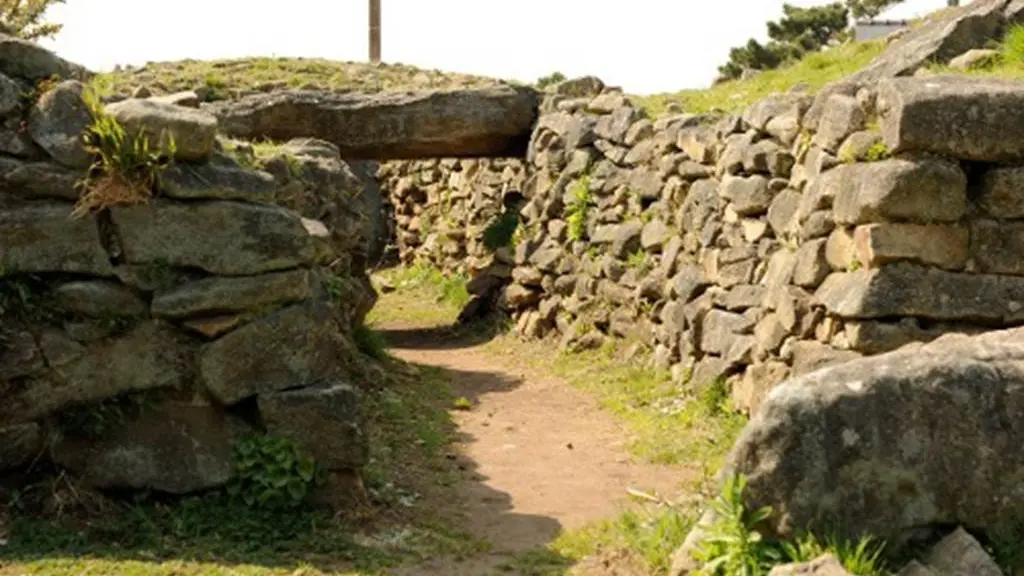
(24,19)
(800,30)
(869,8)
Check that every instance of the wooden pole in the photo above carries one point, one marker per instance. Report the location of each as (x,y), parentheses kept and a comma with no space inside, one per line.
(374,31)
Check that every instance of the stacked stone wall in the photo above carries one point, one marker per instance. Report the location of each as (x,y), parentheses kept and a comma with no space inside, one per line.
(749,248)
(139,341)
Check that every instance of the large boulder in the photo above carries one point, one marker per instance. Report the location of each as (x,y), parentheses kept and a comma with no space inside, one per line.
(940,38)
(149,357)
(30,61)
(43,237)
(175,447)
(324,420)
(494,121)
(223,237)
(290,348)
(927,436)
(191,131)
(962,117)
(57,122)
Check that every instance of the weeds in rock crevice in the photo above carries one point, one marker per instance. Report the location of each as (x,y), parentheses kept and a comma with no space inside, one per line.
(126,167)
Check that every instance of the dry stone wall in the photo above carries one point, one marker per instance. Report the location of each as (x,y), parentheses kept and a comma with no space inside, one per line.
(802,233)
(139,342)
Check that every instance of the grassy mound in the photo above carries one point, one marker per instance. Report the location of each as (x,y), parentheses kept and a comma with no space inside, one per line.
(223,79)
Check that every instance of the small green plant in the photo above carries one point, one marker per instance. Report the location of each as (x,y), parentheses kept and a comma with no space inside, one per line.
(370,342)
(462,403)
(271,472)
(733,547)
(1005,545)
(126,168)
(576,212)
(637,259)
(714,398)
(501,231)
(863,558)
(878,151)
(1011,50)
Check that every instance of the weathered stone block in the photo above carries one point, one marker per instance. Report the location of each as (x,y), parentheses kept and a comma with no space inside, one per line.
(173,447)
(292,347)
(997,247)
(324,420)
(223,237)
(1001,192)
(218,181)
(57,122)
(213,296)
(147,358)
(944,246)
(43,237)
(99,299)
(922,191)
(905,289)
(963,117)
(192,131)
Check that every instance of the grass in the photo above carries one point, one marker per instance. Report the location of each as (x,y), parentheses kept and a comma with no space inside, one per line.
(408,478)
(815,70)
(223,78)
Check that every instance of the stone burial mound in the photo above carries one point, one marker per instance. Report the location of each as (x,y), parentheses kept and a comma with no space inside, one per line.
(145,341)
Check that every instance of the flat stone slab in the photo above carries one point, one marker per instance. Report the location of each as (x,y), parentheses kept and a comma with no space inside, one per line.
(213,296)
(906,289)
(484,122)
(961,117)
(224,238)
(43,237)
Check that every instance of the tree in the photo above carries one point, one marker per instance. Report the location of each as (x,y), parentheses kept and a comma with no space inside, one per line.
(800,30)
(869,9)
(24,19)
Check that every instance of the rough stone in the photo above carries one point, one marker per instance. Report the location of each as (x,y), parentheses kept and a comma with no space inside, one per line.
(19,444)
(962,117)
(959,553)
(99,299)
(57,122)
(216,181)
(485,122)
(868,445)
(224,237)
(174,447)
(217,296)
(324,420)
(940,38)
(944,246)
(1000,192)
(147,358)
(905,289)
(923,191)
(289,348)
(811,264)
(192,131)
(37,180)
(30,61)
(43,237)
(995,246)
(841,117)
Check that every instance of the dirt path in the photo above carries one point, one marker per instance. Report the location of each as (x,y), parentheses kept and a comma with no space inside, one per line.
(539,456)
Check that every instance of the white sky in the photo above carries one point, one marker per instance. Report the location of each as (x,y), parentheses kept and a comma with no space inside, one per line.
(644,46)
